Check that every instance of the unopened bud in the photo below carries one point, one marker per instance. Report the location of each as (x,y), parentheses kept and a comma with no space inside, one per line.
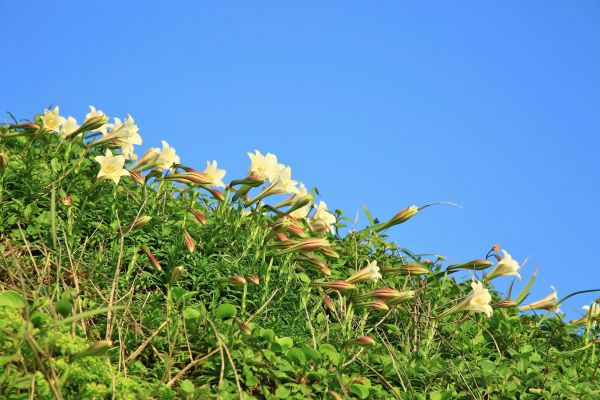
(254,278)
(374,305)
(496,248)
(199,216)
(335,395)
(217,194)
(399,218)
(475,265)
(328,302)
(148,160)
(505,304)
(329,252)
(90,124)
(4,159)
(243,326)
(250,180)
(95,350)
(140,222)
(67,201)
(407,269)
(137,176)
(314,263)
(235,280)
(151,257)
(363,341)
(176,274)
(340,285)
(190,243)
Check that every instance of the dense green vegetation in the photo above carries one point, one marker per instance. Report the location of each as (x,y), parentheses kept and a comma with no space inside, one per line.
(148,282)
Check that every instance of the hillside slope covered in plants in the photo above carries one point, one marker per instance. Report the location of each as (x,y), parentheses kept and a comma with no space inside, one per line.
(133,277)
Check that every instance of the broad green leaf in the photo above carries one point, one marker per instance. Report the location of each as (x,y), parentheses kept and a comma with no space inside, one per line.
(11,299)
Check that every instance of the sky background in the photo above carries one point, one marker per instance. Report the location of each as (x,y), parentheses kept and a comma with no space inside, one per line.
(493,105)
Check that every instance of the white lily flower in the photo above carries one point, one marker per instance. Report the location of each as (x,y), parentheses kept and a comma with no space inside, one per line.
(263,166)
(301,212)
(478,300)
(97,113)
(111,166)
(549,303)
(215,174)
(369,273)
(52,120)
(167,157)
(283,182)
(505,267)
(68,127)
(322,220)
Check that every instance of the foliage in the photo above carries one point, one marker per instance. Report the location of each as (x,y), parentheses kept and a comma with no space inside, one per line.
(154,284)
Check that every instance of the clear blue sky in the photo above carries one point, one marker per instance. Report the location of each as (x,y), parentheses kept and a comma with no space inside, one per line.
(494,105)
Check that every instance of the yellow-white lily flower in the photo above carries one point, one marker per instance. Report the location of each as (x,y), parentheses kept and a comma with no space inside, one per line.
(125,136)
(301,212)
(97,113)
(215,174)
(322,220)
(477,301)
(263,166)
(283,182)
(505,267)
(549,303)
(167,157)
(52,120)
(369,273)
(68,127)
(111,166)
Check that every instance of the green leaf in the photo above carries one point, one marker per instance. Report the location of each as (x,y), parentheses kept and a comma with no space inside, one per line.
(191,313)
(282,392)
(11,299)
(440,395)
(225,310)
(296,355)
(330,351)
(63,307)
(360,390)
(187,386)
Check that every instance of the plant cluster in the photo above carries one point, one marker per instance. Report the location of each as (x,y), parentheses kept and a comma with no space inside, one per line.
(140,277)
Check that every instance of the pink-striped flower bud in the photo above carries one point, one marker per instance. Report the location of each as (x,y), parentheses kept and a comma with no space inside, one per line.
(243,326)
(329,303)
(407,269)
(137,176)
(254,278)
(373,305)
(314,263)
(340,285)
(199,216)
(363,341)
(140,222)
(235,280)
(190,243)
(67,201)
(475,265)
(151,257)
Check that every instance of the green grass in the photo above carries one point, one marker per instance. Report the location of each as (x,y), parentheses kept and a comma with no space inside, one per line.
(145,289)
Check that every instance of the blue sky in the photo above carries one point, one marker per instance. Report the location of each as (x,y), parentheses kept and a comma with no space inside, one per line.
(492,105)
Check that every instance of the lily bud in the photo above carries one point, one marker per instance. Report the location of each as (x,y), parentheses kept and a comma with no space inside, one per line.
(329,303)
(408,269)
(67,201)
(314,263)
(475,265)
(399,218)
(190,243)
(388,295)
(250,180)
(235,280)
(4,159)
(505,304)
(243,326)
(140,222)
(90,124)
(199,217)
(217,194)
(254,278)
(340,285)
(151,257)
(373,305)
(137,176)
(97,349)
(309,244)
(495,248)
(148,160)
(329,252)
(335,395)
(282,237)
(363,341)
(191,178)
(176,274)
